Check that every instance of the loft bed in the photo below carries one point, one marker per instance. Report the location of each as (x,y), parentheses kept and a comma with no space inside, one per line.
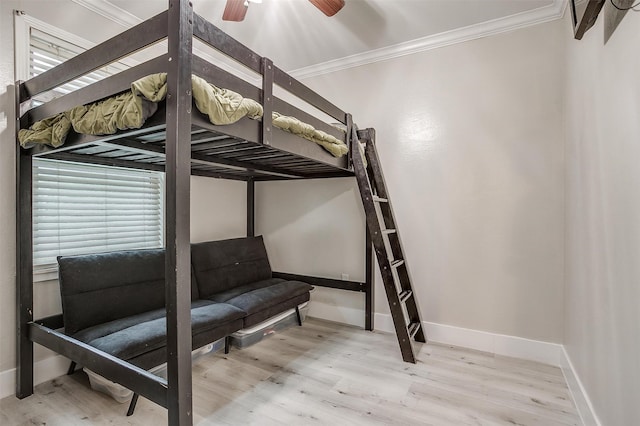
(179,141)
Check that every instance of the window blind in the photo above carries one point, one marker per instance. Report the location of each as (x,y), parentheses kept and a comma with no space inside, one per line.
(80,209)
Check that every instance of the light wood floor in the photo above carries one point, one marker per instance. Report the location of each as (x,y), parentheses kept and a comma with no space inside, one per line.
(326,373)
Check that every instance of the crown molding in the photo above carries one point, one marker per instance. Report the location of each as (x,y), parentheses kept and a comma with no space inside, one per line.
(496,26)
(460,35)
(110,11)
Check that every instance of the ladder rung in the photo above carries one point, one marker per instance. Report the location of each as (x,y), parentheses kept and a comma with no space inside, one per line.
(388,231)
(413,329)
(380,199)
(397,263)
(405,295)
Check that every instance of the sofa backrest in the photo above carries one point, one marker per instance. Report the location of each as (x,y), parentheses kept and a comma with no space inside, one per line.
(225,264)
(98,288)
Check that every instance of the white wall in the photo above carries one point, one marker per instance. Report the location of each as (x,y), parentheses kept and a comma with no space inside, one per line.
(602,299)
(470,138)
(217,207)
(316,228)
(7,189)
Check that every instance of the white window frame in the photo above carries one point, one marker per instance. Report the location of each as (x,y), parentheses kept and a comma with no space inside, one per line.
(23,24)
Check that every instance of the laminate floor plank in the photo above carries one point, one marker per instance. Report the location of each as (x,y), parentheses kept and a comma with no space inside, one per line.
(326,373)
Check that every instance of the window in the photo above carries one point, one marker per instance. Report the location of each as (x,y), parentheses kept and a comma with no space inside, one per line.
(82,208)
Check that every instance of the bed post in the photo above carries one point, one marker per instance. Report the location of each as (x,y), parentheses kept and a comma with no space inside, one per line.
(369,283)
(24,264)
(267,100)
(251,208)
(177,227)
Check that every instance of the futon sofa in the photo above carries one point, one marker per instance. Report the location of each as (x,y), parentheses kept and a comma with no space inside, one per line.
(115,301)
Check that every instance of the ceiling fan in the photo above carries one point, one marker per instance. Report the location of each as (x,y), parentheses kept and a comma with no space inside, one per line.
(235,10)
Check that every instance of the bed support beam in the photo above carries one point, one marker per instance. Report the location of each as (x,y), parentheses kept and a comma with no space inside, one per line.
(300,90)
(24,266)
(177,226)
(98,90)
(88,159)
(363,287)
(267,101)
(53,322)
(144,148)
(323,282)
(105,161)
(251,208)
(130,376)
(217,175)
(369,301)
(216,38)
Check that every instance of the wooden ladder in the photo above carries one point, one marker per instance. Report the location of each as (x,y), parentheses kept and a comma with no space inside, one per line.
(385,237)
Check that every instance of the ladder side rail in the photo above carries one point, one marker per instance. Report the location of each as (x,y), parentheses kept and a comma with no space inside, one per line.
(394,239)
(375,231)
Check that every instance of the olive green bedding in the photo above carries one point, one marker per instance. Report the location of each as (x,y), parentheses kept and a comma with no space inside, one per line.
(131,109)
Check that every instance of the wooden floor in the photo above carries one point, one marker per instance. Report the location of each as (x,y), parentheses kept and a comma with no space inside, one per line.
(326,373)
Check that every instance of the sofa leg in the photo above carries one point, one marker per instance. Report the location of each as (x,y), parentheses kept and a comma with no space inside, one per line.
(72,368)
(299,317)
(227,344)
(132,405)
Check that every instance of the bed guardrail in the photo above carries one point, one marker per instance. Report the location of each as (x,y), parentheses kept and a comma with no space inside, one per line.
(124,44)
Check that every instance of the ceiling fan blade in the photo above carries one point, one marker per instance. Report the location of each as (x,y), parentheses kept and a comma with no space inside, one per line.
(234,10)
(328,7)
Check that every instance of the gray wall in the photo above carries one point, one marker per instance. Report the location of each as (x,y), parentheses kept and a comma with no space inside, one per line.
(471,141)
(602,296)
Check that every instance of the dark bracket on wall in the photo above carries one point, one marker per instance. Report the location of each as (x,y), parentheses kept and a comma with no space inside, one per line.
(584,16)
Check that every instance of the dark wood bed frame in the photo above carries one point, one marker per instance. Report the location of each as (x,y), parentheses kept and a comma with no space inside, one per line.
(248,150)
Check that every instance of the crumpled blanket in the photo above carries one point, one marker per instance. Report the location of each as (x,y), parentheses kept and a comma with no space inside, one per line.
(131,109)
(121,112)
(307,131)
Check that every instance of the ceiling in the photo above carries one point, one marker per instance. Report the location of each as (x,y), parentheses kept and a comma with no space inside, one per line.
(294,34)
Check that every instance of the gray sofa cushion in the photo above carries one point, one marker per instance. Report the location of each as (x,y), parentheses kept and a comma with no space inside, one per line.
(222,265)
(269,299)
(141,339)
(101,330)
(223,296)
(98,288)
(268,312)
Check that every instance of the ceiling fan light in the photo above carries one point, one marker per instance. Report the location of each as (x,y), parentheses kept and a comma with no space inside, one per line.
(234,10)
(328,7)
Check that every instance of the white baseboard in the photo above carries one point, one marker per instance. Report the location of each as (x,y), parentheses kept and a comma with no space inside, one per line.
(47,369)
(342,314)
(499,344)
(578,392)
